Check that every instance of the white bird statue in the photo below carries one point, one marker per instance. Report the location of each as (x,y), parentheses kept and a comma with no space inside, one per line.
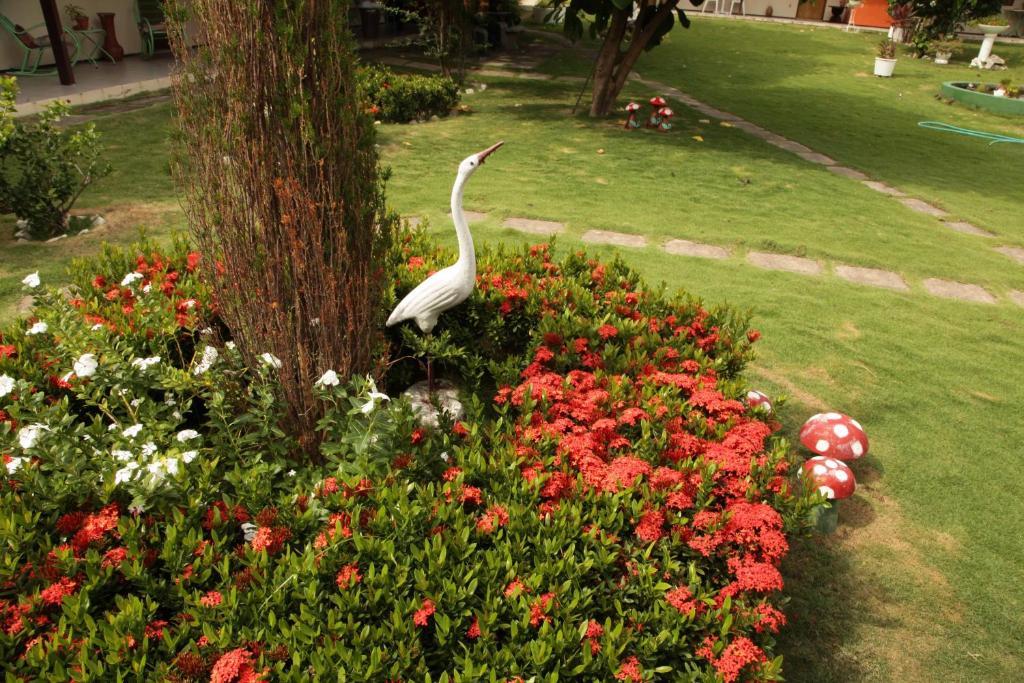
(448,287)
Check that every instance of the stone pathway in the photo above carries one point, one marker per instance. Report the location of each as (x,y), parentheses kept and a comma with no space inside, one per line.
(617,239)
(688,248)
(791,264)
(873,277)
(533,226)
(948,289)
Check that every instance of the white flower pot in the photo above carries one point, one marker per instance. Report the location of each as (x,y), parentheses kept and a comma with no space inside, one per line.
(884,67)
(942,57)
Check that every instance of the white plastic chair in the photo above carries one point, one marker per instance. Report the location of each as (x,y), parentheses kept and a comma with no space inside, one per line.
(708,3)
(853,6)
(732,7)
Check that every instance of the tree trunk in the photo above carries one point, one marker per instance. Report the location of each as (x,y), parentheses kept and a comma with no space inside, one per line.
(608,83)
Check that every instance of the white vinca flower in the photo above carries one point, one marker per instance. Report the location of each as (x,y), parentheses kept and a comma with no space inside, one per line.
(374,396)
(145,363)
(31,280)
(123,456)
(271,360)
(86,365)
(38,328)
(209,357)
(29,435)
(6,384)
(187,435)
(131,278)
(14,464)
(148,449)
(189,456)
(161,467)
(132,432)
(329,379)
(126,473)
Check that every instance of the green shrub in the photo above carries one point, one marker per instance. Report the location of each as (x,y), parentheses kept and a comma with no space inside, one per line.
(45,167)
(606,510)
(401,98)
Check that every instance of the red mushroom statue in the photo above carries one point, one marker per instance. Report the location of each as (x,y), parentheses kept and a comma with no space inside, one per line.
(835,435)
(631,109)
(657,102)
(759,399)
(665,114)
(835,481)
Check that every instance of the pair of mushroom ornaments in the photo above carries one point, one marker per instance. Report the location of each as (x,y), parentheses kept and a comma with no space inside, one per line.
(834,438)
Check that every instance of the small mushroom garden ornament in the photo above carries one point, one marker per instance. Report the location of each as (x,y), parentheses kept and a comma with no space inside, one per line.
(631,112)
(834,480)
(835,435)
(759,399)
(657,103)
(665,114)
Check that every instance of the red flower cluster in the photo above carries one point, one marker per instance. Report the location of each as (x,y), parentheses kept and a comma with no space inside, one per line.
(422,616)
(236,666)
(348,576)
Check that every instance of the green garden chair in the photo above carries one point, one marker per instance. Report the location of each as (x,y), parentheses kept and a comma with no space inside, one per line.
(33,47)
(152,23)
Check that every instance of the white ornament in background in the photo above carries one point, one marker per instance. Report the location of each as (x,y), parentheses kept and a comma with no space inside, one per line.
(446,396)
(31,280)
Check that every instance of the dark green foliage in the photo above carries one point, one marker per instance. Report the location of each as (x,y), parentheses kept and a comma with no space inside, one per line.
(401,98)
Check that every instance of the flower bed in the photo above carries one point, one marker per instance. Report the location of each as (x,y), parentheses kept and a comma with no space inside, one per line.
(401,98)
(607,509)
(980,95)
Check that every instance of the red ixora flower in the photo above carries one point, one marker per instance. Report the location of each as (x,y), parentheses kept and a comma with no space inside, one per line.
(211,599)
(348,576)
(539,609)
(422,615)
(235,666)
(630,670)
(56,592)
(474,629)
(607,331)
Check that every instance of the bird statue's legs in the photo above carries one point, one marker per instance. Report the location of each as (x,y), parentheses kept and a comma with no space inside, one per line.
(430,366)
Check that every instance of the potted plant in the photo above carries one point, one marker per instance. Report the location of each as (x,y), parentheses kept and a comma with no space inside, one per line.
(885,62)
(993,23)
(77,16)
(944,49)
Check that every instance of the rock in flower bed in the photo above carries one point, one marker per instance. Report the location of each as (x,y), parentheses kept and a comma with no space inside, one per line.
(607,510)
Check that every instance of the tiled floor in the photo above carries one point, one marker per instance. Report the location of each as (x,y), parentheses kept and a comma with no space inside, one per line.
(95,83)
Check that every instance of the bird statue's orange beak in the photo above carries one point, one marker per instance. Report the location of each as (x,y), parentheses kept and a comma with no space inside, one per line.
(490,150)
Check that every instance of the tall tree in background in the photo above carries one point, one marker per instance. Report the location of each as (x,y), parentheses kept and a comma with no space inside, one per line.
(625,38)
(282,186)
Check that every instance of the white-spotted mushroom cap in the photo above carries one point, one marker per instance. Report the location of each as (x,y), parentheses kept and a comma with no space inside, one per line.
(657,101)
(632,106)
(759,399)
(831,477)
(835,435)
(665,112)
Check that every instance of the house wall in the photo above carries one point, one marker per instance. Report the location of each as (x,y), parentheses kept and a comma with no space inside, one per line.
(27,13)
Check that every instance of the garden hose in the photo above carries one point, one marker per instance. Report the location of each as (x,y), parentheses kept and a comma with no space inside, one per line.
(993,138)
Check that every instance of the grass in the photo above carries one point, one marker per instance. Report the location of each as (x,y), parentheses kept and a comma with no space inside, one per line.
(921,583)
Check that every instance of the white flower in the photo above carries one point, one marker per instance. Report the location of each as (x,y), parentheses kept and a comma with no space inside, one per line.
(210,355)
(39,328)
(123,456)
(133,431)
(126,473)
(187,435)
(145,363)
(136,402)
(136,508)
(97,327)
(291,473)
(230,345)
(31,280)
(271,360)
(29,435)
(14,464)
(6,384)
(148,449)
(86,365)
(249,529)
(130,278)
(374,397)
(189,456)
(329,379)
(162,467)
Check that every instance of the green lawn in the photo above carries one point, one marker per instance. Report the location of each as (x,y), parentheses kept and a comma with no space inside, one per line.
(922,582)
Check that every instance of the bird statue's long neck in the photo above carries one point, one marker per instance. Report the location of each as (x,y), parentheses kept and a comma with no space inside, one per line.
(467,256)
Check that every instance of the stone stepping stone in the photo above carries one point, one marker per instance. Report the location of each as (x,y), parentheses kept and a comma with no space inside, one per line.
(534,227)
(472,216)
(967,228)
(698,249)
(883,188)
(915,204)
(1016,253)
(618,239)
(1017,297)
(873,277)
(791,146)
(949,289)
(847,172)
(791,264)
(817,158)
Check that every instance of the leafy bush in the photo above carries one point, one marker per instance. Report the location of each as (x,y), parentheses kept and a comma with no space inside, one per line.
(401,98)
(45,167)
(607,509)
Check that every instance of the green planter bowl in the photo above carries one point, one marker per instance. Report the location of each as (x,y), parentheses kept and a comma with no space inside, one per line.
(999,105)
